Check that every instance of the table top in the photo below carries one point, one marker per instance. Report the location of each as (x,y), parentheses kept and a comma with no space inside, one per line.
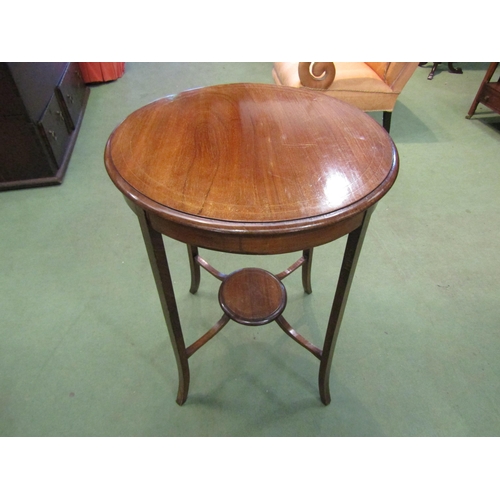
(241,156)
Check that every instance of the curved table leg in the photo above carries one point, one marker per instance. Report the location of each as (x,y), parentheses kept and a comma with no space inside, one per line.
(195,268)
(351,255)
(161,273)
(306,270)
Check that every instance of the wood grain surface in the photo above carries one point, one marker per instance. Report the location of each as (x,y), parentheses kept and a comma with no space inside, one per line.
(250,153)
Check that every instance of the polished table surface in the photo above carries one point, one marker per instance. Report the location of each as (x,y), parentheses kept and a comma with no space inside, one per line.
(250,169)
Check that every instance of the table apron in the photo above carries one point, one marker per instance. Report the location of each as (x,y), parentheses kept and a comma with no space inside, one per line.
(255,243)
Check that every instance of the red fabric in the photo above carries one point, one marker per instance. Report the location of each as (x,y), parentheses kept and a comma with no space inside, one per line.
(101,72)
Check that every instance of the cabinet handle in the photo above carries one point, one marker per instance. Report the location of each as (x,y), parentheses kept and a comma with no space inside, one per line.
(60,115)
(70,97)
(53,134)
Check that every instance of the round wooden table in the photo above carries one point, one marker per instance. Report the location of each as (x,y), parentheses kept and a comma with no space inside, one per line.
(251,169)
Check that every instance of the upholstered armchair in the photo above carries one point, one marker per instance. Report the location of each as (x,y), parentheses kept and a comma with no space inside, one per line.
(370,86)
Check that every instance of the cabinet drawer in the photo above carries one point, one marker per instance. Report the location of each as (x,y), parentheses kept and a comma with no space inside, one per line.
(71,92)
(54,129)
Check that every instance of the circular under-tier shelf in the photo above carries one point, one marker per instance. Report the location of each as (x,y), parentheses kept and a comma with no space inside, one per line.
(252,296)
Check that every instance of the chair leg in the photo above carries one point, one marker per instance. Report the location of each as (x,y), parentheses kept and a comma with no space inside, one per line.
(387,120)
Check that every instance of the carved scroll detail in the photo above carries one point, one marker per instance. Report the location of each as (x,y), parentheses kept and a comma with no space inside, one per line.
(317,75)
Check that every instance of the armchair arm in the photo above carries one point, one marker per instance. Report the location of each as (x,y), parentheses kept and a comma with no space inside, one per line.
(317,75)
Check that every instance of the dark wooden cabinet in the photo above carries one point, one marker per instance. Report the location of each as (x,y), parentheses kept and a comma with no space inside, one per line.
(41,110)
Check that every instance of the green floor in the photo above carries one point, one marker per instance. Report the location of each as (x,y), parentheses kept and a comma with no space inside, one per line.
(83,345)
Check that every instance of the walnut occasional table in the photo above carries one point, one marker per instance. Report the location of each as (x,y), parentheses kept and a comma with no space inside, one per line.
(251,169)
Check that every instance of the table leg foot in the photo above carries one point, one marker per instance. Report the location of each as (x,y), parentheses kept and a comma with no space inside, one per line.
(182,393)
(324,391)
